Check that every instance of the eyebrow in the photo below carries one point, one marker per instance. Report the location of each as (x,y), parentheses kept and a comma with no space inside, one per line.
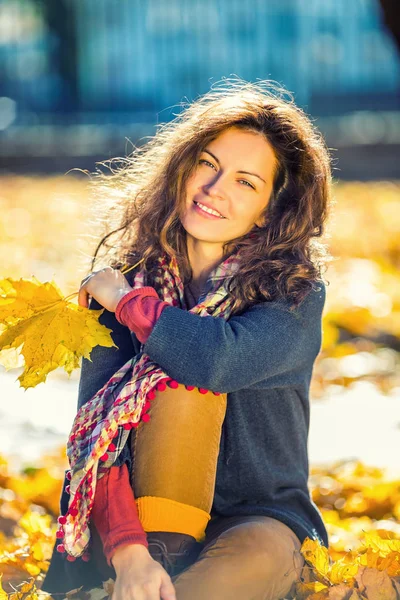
(245,172)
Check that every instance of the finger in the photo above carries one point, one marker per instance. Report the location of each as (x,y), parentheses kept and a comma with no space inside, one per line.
(84,280)
(83,294)
(88,276)
(92,274)
(167,589)
(83,297)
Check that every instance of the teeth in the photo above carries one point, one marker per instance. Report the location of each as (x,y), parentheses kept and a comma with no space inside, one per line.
(209,210)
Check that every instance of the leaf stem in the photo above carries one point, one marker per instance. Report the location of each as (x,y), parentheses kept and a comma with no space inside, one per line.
(76,293)
(130,268)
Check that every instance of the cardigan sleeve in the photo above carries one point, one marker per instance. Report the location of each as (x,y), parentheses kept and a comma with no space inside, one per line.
(265,346)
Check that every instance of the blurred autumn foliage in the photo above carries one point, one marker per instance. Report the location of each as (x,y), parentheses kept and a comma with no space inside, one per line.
(29,504)
(360,506)
(361,321)
(44,232)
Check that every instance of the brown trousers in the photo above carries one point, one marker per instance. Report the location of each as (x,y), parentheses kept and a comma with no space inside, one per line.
(175,458)
(246,558)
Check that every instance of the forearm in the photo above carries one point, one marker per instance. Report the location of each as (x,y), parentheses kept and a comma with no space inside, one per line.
(139,310)
(115,515)
(125,555)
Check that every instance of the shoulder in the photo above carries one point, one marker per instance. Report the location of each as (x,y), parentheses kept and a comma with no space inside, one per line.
(311,307)
(315,299)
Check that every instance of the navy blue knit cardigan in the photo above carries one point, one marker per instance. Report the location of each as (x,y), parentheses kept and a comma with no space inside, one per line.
(263,358)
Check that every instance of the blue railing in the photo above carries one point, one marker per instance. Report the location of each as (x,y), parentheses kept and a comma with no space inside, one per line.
(142,56)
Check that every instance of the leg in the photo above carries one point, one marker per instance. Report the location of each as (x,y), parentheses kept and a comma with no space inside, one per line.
(175,460)
(255,558)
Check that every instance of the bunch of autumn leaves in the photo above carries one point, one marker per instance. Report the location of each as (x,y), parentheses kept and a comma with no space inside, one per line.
(48,330)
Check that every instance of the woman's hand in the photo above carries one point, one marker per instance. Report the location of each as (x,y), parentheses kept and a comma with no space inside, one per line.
(139,576)
(107,286)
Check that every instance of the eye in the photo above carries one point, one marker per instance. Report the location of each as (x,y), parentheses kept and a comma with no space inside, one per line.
(249,184)
(202,160)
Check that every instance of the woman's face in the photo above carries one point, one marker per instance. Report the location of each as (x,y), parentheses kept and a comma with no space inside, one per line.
(234,177)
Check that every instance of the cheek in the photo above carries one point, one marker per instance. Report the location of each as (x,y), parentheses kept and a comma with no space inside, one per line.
(196,181)
(245,214)
(190,188)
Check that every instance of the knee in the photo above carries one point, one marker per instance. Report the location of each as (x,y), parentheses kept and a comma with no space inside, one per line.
(267,543)
(259,559)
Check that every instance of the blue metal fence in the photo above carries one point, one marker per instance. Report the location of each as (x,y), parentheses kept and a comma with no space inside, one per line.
(141,56)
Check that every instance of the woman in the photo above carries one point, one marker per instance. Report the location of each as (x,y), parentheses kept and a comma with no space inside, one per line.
(221,208)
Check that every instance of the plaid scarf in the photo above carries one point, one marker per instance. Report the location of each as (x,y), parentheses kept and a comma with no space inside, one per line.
(102,425)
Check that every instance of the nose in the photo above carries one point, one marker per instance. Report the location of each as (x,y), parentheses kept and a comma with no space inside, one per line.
(214,187)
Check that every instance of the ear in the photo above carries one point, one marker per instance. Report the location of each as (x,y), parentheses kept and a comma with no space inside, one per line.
(261,219)
(260,222)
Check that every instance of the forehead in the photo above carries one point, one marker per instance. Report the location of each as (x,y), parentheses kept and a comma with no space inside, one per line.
(244,149)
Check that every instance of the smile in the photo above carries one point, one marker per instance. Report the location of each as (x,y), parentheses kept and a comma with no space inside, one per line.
(202,209)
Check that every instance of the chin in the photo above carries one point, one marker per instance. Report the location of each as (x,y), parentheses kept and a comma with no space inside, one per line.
(202,232)
(203,237)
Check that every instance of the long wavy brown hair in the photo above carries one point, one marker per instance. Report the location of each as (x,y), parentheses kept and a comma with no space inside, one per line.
(146,194)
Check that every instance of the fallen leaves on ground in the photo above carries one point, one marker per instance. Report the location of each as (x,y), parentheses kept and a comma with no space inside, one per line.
(372,572)
(362,563)
(360,508)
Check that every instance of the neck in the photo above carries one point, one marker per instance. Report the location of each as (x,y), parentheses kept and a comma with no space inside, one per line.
(203,257)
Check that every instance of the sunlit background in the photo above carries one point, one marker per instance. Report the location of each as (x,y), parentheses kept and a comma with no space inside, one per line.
(79,77)
(81,81)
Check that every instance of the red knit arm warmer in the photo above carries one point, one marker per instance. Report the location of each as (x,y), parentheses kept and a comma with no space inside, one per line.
(114,512)
(139,310)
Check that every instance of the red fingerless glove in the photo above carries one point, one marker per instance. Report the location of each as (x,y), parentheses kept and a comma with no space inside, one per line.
(114,512)
(139,310)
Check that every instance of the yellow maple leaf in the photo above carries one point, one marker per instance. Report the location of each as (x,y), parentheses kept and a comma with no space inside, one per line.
(369,559)
(316,555)
(343,571)
(50,331)
(383,546)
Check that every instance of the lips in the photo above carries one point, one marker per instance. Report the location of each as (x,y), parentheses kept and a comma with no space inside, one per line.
(208,206)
